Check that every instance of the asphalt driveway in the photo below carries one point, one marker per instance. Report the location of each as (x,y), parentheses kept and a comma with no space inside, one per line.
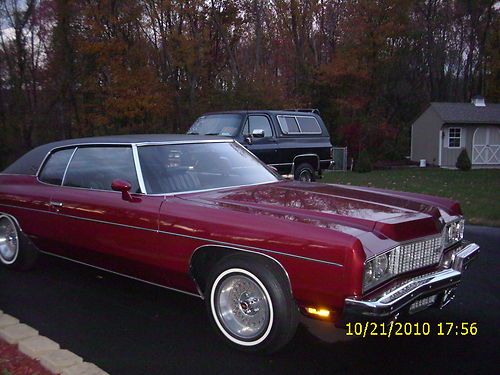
(127,327)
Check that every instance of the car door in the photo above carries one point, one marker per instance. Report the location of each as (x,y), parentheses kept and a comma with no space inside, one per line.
(96,225)
(265,148)
(33,197)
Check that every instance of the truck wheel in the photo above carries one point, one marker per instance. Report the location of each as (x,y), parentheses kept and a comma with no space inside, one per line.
(250,304)
(15,250)
(304,172)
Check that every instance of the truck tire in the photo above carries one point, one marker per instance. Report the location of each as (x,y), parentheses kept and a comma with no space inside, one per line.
(304,172)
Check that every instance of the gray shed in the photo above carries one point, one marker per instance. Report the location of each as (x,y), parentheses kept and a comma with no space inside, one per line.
(444,129)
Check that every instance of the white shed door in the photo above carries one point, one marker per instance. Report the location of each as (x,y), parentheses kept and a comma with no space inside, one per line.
(486,145)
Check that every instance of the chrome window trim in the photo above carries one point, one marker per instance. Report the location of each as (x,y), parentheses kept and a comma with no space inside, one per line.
(140,177)
(67,166)
(298,124)
(138,169)
(210,241)
(222,187)
(141,144)
(207,190)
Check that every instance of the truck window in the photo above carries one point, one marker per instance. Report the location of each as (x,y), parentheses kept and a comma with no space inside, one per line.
(258,122)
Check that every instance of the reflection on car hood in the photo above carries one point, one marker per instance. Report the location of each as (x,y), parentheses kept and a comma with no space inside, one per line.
(353,210)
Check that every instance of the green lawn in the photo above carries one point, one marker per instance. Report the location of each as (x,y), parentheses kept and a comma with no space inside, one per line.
(478,191)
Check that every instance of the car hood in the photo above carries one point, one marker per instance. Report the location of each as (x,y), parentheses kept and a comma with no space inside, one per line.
(395,215)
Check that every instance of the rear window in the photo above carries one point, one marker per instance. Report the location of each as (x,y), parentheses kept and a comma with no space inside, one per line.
(290,124)
(55,167)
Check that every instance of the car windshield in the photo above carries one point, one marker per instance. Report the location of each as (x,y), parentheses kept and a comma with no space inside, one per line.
(225,125)
(200,166)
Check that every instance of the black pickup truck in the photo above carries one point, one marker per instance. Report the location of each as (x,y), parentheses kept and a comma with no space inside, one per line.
(294,142)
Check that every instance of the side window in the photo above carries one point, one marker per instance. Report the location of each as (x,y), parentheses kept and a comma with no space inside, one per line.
(309,124)
(288,124)
(97,167)
(55,166)
(258,122)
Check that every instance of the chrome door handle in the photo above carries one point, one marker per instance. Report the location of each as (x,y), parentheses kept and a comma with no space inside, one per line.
(56,204)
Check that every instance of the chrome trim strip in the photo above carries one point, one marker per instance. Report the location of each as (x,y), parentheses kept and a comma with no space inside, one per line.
(182,235)
(244,250)
(121,274)
(207,190)
(278,164)
(67,166)
(141,144)
(85,144)
(138,169)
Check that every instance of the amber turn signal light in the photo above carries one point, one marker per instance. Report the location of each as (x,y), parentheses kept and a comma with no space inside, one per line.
(323,313)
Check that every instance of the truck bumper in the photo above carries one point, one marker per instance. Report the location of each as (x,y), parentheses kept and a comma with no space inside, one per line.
(432,289)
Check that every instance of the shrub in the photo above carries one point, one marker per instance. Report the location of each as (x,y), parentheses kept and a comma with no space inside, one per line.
(363,164)
(463,161)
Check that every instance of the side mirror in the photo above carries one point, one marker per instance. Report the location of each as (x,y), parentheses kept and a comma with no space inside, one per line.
(124,187)
(258,133)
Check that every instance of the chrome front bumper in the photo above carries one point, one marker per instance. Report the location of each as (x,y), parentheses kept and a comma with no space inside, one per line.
(389,302)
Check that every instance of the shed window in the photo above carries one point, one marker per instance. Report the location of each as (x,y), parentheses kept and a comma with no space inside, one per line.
(454,137)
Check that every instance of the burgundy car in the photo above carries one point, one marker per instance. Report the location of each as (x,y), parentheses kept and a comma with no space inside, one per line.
(205,217)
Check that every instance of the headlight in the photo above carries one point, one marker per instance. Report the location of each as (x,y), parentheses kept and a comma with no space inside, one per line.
(377,270)
(454,232)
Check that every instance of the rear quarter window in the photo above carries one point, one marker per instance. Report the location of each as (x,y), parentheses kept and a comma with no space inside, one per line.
(309,125)
(55,167)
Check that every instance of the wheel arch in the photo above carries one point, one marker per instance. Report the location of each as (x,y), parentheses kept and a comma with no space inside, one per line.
(312,159)
(206,256)
(14,219)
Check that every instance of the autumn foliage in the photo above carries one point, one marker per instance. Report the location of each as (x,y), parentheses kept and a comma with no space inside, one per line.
(73,68)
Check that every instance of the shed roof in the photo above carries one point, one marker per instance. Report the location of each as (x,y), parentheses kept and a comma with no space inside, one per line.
(467,113)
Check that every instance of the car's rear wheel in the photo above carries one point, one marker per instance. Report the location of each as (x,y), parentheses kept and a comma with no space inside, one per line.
(304,172)
(15,251)
(250,304)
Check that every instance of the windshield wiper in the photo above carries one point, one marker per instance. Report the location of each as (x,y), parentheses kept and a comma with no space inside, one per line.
(193,133)
(216,133)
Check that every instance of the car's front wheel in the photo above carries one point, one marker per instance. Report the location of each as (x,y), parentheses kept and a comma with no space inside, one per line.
(250,304)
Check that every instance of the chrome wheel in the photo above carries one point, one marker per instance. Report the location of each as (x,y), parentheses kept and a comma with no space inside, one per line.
(305,176)
(9,240)
(242,307)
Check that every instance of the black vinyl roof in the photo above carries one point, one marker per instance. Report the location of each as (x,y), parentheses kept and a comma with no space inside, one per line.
(30,162)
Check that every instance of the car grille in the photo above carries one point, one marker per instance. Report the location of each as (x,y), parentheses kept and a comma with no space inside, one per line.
(416,255)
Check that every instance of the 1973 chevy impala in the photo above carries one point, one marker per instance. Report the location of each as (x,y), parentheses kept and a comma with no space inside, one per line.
(205,217)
